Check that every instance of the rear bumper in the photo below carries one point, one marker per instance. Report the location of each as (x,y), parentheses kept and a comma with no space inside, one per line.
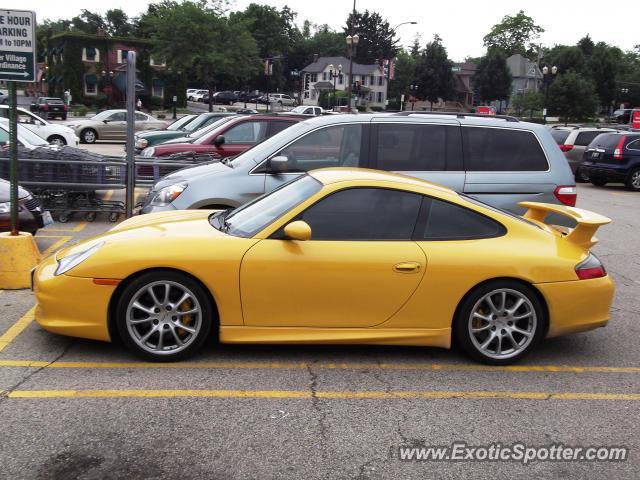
(577,306)
(605,172)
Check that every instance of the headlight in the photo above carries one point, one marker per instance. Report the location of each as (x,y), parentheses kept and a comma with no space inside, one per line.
(67,263)
(72,126)
(148,152)
(5,207)
(142,143)
(168,194)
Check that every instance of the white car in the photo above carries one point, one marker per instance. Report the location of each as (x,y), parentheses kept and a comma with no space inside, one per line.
(281,98)
(51,132)
(197,95)
(26,137)
(308,110)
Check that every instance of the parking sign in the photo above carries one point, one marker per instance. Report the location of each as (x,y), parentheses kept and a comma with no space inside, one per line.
(18,45)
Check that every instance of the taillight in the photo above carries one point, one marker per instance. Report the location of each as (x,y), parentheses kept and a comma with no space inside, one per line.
(590,268)
(66,107)
(566,148)
(566,195)
(617,153)
(44,107)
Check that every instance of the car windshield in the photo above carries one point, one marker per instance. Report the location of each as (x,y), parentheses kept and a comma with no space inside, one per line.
(249,219)
(103,115)
(181,122)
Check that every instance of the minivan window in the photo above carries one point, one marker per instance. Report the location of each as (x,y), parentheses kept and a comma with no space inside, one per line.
(411,147)
(584,138)
(446,221)
(560,136)
(335,146)
(502,150)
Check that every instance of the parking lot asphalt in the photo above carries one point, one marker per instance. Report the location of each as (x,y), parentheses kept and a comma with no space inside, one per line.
(72,408)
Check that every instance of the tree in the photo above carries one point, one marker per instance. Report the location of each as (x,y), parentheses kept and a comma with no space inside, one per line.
(604,67)
(492,77)
(567,59)
(46,30)
(89,22)
(404,76)
(375,37)
(433,73)
(572,97)
(514,34)
(586,45)
(117,23)
(527,102)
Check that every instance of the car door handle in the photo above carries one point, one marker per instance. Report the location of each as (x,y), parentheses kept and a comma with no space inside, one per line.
(406,267)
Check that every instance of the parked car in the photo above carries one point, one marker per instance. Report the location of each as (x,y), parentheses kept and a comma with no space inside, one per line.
(486,110)
(112,125)
(231,138)
(53,133)
(4,98)
(334,256)
(149,139)
(505,161)
(279,98)
(197,95)
(614,158)
(573,142)
(26,137)
(250,97)
(308,110)
(176,126)
(31,216)
(225,97)
(50,107)
(622,116)
(191,91)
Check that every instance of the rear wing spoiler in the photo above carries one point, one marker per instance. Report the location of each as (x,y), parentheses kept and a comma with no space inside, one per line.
(587,222)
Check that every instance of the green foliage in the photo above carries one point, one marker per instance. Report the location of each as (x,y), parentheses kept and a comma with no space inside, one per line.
(100,101)
(79,110)
(526,103)
(572,97)
(89,22)
(405,71)
(433,72)
(493,78)
(567,59)
(117,23)
(586,45)
(375,37)
(514,34)
(604,66)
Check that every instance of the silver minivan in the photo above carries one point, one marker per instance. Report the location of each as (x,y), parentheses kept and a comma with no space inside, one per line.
(499,160)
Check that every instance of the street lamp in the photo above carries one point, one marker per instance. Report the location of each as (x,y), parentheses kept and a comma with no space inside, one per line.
(393,34)
(352,43)
(548,76)
(333,74)
(414,87)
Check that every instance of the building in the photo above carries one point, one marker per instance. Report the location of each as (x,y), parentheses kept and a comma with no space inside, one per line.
(464,90)
(370,84)
(93,68)
(525,73)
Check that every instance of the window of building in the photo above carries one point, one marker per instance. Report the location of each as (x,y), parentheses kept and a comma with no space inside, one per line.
(122,56)
(380,81)
(157,87)
(314,77)
(340,79)
(380,98)
(90,54)
(90,84)
(159,62)
(364,80)
(372,80)
(324,75)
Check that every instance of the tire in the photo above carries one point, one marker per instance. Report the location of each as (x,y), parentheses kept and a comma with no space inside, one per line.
(64,217)
(64,117)
(90,216)
(88,135)
(633,180)
(141,329)
(581,176)
(113,217)
(598,182)
(57,140)
(475,311)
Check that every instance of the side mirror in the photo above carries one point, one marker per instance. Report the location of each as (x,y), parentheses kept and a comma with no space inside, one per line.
(105,121)
(279,164)
(219,140)
(298,230)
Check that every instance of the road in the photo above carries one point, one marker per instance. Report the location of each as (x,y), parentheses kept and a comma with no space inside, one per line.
(79,409)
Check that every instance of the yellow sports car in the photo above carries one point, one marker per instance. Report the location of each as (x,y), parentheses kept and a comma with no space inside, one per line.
(334,256)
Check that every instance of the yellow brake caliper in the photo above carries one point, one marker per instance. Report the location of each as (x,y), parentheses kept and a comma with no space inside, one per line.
(186,319)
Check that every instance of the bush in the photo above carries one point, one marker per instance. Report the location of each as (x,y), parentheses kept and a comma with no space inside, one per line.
(161,116)
(380,109)
(100,101)
(79,110)
(157,103)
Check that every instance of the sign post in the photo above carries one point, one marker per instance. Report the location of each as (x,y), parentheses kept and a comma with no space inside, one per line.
(131,122)
(17,64)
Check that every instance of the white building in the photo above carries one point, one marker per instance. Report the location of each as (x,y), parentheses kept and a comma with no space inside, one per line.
(371,84)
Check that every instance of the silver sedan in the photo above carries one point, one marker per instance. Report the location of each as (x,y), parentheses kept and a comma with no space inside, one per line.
(112,125)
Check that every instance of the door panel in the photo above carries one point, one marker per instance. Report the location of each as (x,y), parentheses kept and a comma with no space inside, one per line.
(328,283)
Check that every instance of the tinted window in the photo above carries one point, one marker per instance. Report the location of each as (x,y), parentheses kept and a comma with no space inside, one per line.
(117,117)
(446,221)
(606,140)
(560,136)
(246,132)
(277,127)
(140,117)
(634,144)
(336,146)
(364,214)
(404,147)
(502,149)
(584,138)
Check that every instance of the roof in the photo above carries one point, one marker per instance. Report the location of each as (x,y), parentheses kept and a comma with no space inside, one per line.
(323,84)
(100,38)
(358,69)
(523,67)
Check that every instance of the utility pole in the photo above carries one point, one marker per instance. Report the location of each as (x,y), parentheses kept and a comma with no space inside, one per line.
(350,42)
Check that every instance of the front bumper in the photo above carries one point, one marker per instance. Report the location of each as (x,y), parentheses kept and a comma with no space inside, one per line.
(577,306)
(69,305)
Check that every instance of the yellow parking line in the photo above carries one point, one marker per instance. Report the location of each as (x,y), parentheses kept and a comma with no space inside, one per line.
(56,245)
(306,394)
(78,228)
(322,366)
(17,328)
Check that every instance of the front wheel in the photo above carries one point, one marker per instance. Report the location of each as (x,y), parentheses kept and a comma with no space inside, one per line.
(164,316)
(89,136)
(499,322)
(633,180)
(57,140)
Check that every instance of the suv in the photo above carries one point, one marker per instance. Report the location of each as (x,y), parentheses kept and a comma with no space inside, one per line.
(498,160)
(231,136)
(279,98)
(573,142)
(614,157)
(49,107)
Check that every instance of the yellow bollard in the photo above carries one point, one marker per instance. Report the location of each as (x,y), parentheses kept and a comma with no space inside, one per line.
(18,255)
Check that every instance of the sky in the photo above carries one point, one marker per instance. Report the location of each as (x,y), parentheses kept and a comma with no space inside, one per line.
(461,23)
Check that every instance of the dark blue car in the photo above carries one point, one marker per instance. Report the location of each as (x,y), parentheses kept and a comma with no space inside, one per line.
(615,158)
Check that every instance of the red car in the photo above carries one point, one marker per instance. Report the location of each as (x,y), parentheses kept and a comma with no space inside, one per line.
(231,137)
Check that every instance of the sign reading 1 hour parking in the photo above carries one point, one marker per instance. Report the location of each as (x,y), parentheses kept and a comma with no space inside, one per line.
(18,45)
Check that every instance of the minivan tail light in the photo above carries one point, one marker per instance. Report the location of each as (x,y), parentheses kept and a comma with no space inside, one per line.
(617,153)
(591,267)
(566,148)
(566,194)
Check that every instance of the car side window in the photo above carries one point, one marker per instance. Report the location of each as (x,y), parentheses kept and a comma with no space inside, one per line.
(277,127)
(635,145)
(141,117)
(335,146)
(447,221)
(418,148)
(246,133)
(364,214)
(4,136)
(502,150)
(117,117)
(584,138)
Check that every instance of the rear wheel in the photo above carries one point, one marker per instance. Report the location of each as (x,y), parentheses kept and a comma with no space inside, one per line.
(499,322)
(633,180)
(164,316)
(598,182)
(581,175)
